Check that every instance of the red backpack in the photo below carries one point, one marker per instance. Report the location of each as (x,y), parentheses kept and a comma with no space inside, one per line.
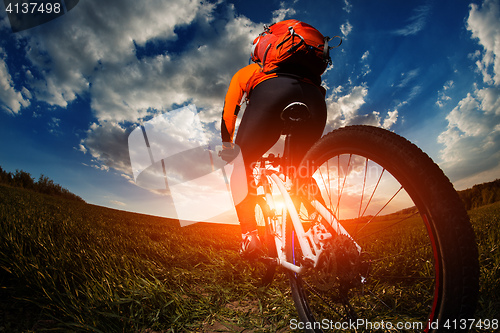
(292,42)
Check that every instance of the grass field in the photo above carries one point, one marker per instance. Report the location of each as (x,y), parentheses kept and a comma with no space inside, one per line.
(71,266)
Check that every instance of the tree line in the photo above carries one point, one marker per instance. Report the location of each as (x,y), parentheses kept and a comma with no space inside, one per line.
(480,195)
(477,196)
(44,185)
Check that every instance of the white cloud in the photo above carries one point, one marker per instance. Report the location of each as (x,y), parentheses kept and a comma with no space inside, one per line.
(118,203)
(416,22)
(346,28)
(472,139)
(415,90)
(391,119)
(407,77)
(366,67)
(348,6)
(349,104)
(107,144)
(54,126)
(484,23)
(14,100)
(443,98)
(365,55)
(344,110)
(81,148)
(285,11)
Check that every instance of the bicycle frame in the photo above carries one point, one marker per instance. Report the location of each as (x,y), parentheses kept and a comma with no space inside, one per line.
(310,244)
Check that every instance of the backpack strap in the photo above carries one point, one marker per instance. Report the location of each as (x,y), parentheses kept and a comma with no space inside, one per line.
(265,56)
(295,46)
(327,48)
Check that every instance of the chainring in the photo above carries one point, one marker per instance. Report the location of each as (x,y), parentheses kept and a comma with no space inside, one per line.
(338,266)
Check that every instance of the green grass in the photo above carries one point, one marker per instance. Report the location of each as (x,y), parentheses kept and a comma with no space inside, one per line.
(486,223)
(71,266)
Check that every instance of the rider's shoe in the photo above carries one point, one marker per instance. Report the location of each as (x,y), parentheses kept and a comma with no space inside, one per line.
(251,246)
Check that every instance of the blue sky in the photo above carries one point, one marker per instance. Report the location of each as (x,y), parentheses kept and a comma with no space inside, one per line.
(73,89)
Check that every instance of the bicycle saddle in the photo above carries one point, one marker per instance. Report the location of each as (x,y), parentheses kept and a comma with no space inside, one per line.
(295,112)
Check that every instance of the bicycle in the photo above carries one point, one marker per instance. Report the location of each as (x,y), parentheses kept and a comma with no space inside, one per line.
(403,252)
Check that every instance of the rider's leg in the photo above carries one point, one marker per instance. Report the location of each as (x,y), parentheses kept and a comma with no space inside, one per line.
(261,127)
(246,209)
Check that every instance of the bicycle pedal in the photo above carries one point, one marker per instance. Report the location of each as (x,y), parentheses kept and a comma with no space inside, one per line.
(308,263)
(268,260)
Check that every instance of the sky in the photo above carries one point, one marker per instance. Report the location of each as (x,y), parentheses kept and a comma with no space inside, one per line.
(73,89)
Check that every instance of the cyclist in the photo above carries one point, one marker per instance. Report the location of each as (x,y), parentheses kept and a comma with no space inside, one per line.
(267,94)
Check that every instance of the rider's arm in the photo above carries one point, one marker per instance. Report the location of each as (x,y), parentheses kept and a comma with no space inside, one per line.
(233,100)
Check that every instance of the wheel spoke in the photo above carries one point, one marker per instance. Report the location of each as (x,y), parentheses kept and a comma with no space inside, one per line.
(339,197)
(363,190)
(373,192)
(381,209)
(388,227)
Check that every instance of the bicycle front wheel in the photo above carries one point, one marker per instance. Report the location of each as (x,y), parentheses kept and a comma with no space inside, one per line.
(411,261)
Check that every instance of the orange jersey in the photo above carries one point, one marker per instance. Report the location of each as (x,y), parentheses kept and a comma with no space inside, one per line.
(242,82)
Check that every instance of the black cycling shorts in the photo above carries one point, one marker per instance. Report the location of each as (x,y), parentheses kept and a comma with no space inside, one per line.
(261,124)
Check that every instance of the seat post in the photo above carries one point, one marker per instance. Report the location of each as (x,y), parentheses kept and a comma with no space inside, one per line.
(287,154)
(292,115)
